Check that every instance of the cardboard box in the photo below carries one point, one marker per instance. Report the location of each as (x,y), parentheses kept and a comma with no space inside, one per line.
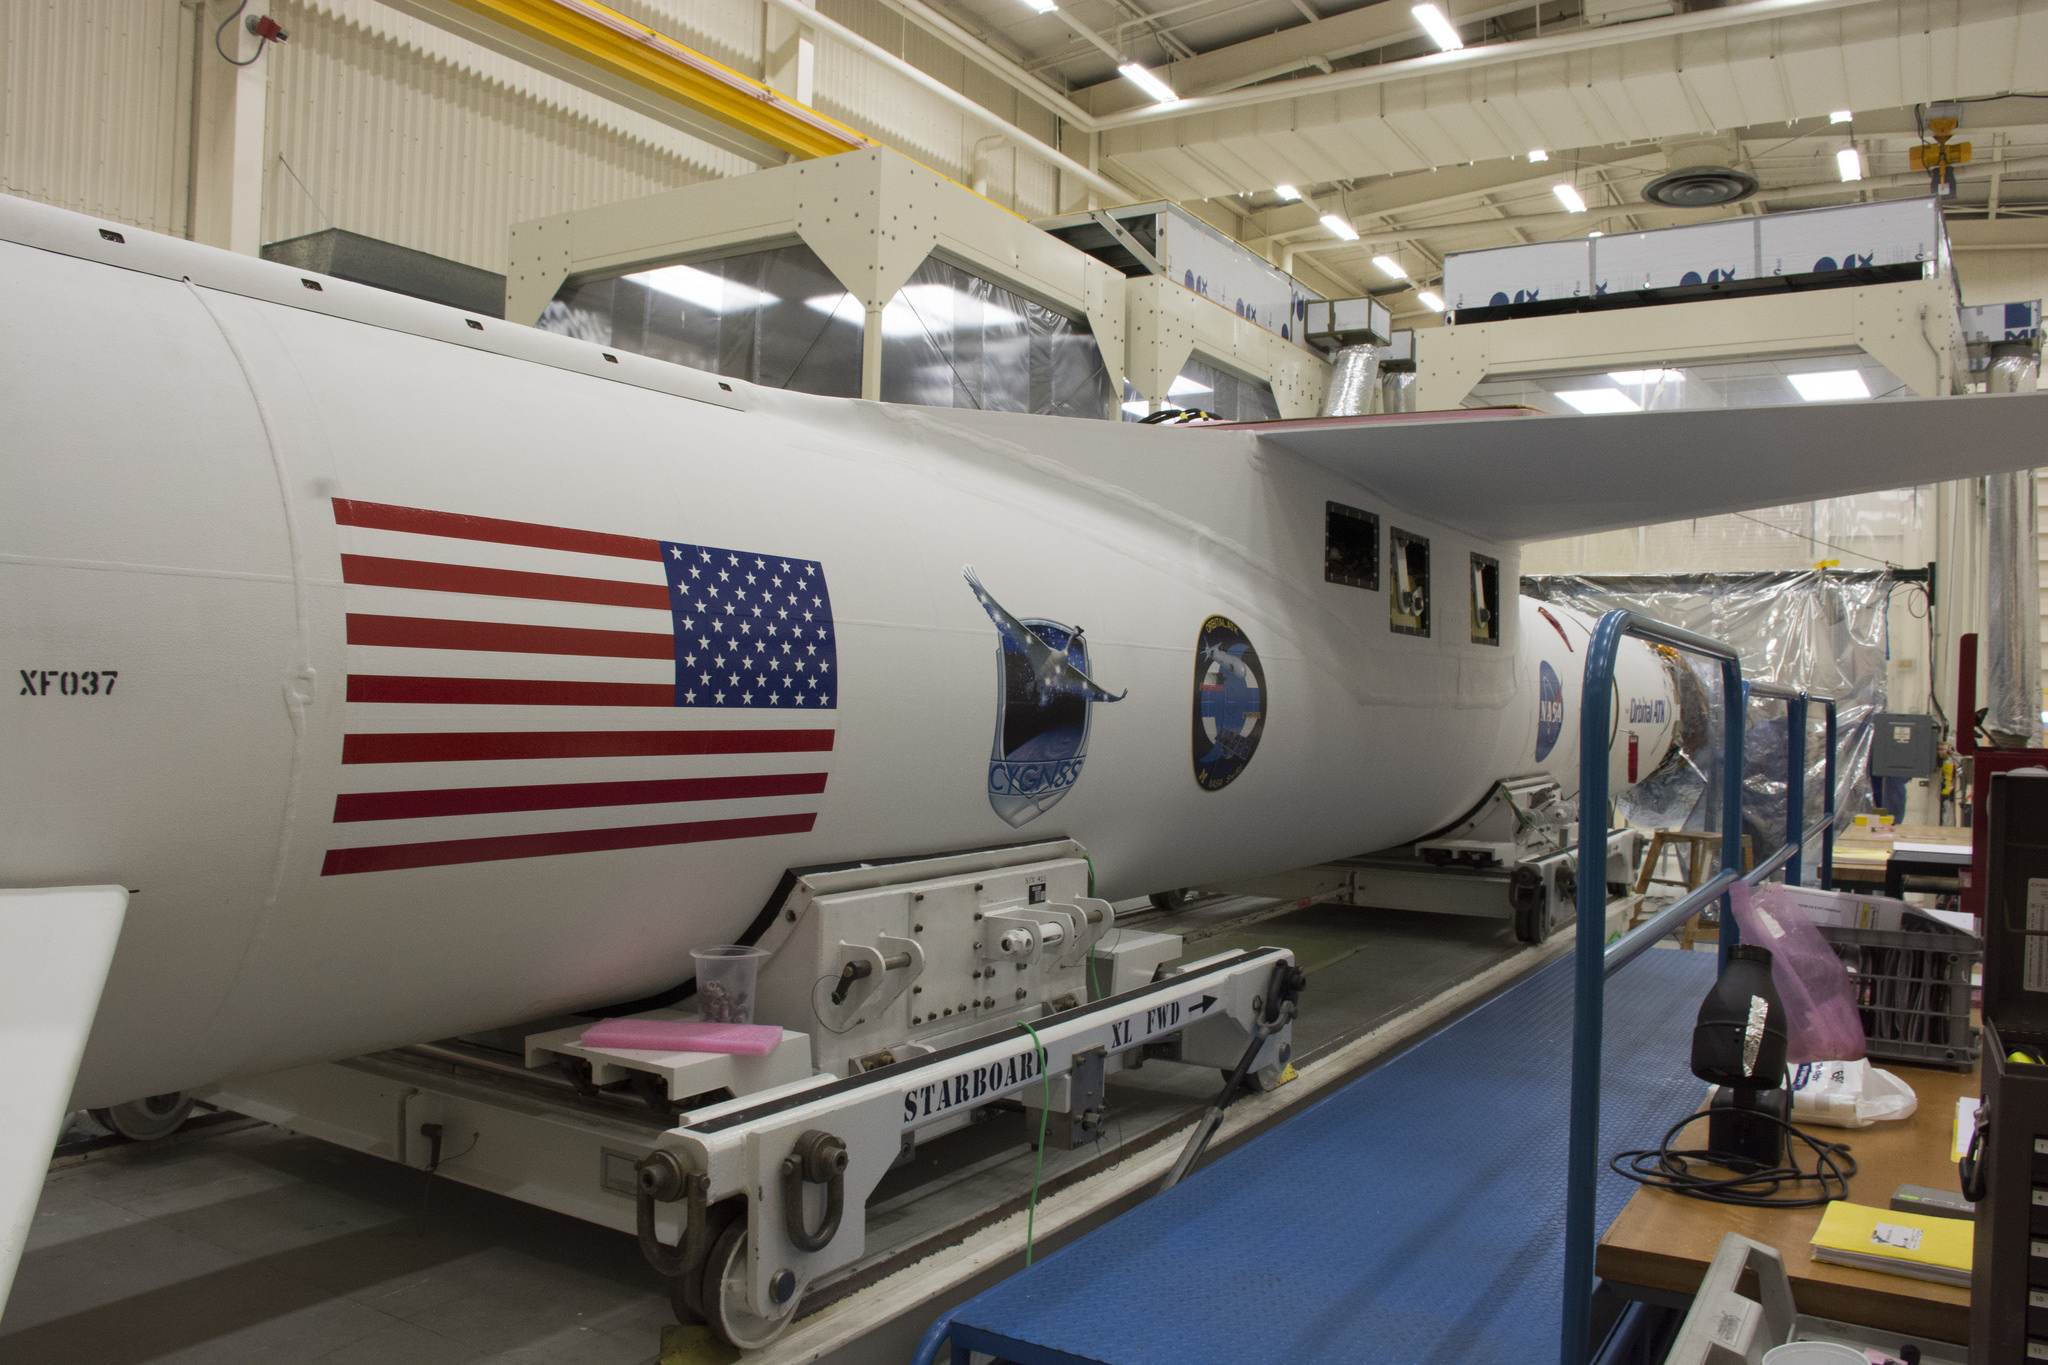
(1845,909)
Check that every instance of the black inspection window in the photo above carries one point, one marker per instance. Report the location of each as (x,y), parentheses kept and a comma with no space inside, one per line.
(1408,595)
(1485,600)
(1351,546)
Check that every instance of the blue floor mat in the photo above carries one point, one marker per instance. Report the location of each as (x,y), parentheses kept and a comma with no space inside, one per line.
(1416,1215)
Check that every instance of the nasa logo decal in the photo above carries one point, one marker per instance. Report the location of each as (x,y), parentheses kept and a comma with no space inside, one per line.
(1230,703)
(1549,710)
(1044,698)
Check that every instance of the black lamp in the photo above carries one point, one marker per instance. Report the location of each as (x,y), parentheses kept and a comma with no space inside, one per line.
(1738,1044)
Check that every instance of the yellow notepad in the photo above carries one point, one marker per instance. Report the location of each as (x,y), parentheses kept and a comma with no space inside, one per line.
(1914,1244)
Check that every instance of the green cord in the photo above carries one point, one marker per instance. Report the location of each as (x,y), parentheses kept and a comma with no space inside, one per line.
(1044,1114)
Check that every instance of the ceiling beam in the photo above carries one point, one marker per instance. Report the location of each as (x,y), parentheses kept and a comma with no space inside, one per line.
(1291,49)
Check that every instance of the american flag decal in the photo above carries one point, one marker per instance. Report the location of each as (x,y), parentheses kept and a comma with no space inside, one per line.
(474,615)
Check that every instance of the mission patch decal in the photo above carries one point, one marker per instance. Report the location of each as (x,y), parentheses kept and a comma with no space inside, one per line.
(1230,703)
(1044,698)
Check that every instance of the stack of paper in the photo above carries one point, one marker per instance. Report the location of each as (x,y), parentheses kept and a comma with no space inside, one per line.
(1914,1244)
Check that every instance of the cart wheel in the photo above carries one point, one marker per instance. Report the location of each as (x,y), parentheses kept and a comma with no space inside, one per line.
(725,1295)
(147,1120)
(1532,920)
(686,1291)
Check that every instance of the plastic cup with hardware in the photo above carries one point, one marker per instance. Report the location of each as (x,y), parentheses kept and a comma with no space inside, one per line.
(725,982)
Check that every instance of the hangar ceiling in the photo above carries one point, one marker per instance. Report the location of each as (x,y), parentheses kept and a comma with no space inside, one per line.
(1425,152)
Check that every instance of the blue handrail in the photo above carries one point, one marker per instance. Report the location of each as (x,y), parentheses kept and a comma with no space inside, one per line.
(1791,854)
(1596,962)
(936,1335)
(1596,699)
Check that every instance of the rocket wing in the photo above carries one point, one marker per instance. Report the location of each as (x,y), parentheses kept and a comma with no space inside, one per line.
(1047,663)
(1514,475)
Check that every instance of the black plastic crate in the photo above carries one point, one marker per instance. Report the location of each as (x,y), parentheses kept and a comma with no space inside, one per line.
(1913,991)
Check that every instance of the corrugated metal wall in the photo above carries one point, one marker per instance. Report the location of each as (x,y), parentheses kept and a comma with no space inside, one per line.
(385,125)
(95,104)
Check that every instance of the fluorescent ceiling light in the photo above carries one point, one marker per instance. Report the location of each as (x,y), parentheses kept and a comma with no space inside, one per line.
(1842,116)
(1831,386)
(1430,300)
(1437,27)
(1569,197)
(1601,400)
(1147,82)
(1389,267)
(1340,227)
(1539,155)
(1182,386)
(1596,232)
(1647,376)
(714,293)
(1849,164)
(1288,194)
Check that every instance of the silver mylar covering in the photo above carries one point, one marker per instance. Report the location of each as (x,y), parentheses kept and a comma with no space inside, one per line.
(1355,374)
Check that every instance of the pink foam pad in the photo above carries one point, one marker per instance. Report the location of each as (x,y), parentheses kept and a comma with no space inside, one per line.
(683,1035)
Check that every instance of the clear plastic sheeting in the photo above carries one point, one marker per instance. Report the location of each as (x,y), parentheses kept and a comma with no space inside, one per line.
(1212,389)
(1823,630)
(1354,375)
(776,318)
(779,318)
(954,340)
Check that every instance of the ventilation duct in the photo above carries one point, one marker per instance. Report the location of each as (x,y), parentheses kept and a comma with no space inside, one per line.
(1702,174)
(2013,668)
(1354,377)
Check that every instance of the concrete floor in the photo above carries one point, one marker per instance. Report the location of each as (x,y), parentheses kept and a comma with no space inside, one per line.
(254,1244)
(261,1246)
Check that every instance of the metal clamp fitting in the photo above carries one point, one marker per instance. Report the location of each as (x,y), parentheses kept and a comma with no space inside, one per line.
(661,1178)
(817,1158)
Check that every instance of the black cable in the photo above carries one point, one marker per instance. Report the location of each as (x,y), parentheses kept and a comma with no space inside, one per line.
(1672,1170)
(260,42)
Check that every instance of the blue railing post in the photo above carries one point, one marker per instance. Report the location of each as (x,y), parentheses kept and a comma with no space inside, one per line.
(1795,786)
(1735,707)
(1596,961)
(1596,703)
(1827,837)
(1595,707)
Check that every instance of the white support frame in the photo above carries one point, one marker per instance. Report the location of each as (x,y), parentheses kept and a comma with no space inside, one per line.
(1168,323)
(1912,329)
(871,216)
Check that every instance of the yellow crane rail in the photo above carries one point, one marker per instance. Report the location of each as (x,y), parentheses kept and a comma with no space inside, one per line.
(633,52)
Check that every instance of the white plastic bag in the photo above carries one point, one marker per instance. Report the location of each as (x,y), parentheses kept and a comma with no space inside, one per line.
(1849,1094)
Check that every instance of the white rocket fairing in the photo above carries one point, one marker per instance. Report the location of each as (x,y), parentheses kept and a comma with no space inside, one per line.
(358,639)
(421,673)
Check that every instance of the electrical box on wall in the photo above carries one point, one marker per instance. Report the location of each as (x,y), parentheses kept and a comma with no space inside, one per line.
(1902,745)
